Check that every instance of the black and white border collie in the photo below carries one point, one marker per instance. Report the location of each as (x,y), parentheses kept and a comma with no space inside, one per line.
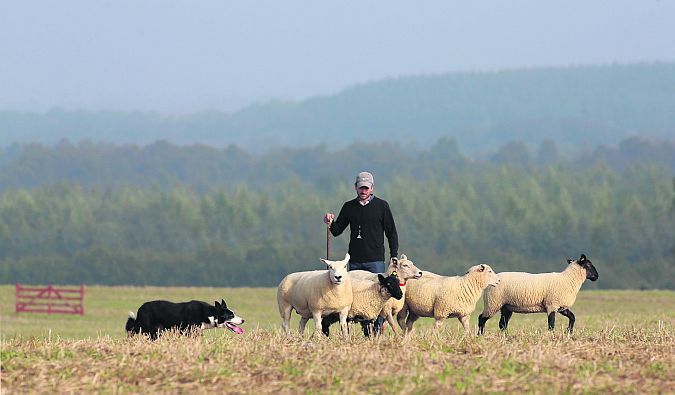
(159,315)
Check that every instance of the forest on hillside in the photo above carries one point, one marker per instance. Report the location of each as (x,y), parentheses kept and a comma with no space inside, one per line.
(171,215)
(576,106)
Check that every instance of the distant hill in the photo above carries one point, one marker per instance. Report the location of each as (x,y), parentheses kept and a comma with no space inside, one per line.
(579,107)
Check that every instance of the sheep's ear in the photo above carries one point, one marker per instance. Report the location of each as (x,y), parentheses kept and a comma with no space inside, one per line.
(381,278)
(583,258)
(403,257)
(393,261)
(570,261)
(482,268)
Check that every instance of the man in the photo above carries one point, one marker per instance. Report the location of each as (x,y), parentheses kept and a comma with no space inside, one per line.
(369,219)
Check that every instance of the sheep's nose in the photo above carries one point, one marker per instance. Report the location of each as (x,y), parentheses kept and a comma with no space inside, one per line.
(338,278)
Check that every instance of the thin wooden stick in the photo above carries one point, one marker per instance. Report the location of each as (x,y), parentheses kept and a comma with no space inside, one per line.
(328,242)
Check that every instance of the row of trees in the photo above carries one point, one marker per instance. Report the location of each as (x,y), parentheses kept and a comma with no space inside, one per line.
(512,217)
(206,169)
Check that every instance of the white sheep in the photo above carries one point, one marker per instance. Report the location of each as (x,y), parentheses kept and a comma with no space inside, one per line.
(520,292)
(314,294)
(443,297)
(405,270)
(369,298)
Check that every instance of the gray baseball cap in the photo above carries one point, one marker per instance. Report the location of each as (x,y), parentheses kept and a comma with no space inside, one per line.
(365,179)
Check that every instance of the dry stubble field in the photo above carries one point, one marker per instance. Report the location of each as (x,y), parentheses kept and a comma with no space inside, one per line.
(624,343)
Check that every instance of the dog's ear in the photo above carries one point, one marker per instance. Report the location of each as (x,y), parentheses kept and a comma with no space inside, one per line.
(222,303)
(217,304)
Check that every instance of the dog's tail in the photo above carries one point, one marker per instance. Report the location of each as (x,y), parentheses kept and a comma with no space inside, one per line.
(131,326)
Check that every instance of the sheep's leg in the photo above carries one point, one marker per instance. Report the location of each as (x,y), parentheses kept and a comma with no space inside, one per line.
(504,319)
(410,321)
(343,322)
(383,327)
(367,328)
(286,318)
(385,320)
(316,315)
(438,317)
(438,323)
(400,317)
(301,325)
(327,321)
(465,322)
(481,324)
(392,323)
(325,328)
(567,313)
(376,325)
(551,320)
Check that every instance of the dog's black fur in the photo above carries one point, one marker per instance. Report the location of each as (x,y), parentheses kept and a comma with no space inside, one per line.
(159,315)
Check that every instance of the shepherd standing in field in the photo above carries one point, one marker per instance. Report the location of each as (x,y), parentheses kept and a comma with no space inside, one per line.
(368,217)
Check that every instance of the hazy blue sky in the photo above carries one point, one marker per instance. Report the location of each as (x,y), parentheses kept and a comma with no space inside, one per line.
(179,56)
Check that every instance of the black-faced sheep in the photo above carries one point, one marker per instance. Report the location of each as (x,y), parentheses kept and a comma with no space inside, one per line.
(369,297)
(520,292)
(405,270)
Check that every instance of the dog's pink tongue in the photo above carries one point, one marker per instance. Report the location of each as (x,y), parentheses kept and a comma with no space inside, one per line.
(235,328)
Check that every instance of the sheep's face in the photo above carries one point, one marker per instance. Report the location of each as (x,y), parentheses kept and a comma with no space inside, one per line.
(405,268)
(337,270)
(591,271)
(389,286)
(486,270)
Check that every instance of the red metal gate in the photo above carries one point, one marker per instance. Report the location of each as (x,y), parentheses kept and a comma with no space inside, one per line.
(50,300)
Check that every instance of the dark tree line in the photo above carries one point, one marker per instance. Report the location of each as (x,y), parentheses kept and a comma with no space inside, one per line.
(205,169)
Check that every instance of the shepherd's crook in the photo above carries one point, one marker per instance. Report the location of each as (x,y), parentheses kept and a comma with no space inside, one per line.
(328,241)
